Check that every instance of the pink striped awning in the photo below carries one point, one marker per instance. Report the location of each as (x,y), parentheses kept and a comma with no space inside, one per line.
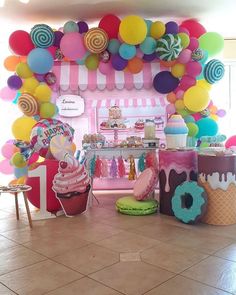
(71,76)
(129,102)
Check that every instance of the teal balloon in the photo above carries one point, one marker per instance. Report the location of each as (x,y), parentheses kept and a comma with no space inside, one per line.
(148,46)
(201,76)
(70,27)
(81,61)
(205,58)
(189,119)
(207,127)
(113,46)
(148,23)
(212,42)
(19,172)
(15,101)
(127,51)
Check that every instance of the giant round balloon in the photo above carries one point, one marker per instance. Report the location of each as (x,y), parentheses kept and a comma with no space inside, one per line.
(195,28)
(133,29)
(46,176)
(164,82)
(212,42)
(20,42)
(72,46)
(207,127)
(214,71)
(42,36)
(110,24)
(44,130)
(169,47)
(196,99)
(21,128)
(40,61)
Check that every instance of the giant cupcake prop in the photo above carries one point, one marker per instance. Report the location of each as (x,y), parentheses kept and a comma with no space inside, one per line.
(217,174)
(176,132)
(71,185)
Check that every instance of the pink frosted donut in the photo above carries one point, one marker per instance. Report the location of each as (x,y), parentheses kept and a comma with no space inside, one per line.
(145,184)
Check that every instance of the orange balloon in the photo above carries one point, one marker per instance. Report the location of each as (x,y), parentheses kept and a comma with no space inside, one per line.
(135,65)
(213,109)
(73,147)
(167,64)
(11,62)
(171,97)
(23,58)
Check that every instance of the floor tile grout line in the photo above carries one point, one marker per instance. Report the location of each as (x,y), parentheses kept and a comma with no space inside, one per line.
(160,284)
(9,288)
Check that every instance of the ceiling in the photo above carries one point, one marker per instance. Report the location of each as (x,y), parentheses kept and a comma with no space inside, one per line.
(215,15)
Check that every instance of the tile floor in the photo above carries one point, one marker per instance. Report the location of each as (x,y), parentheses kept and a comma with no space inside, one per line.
(106,253)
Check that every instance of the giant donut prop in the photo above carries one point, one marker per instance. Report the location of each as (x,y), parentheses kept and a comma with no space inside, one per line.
(189,202)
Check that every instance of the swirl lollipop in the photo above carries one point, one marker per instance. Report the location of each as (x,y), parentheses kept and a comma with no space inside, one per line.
(96,40)
(169,47)
(60,147)
(42,36)
(214,71)
(28,104)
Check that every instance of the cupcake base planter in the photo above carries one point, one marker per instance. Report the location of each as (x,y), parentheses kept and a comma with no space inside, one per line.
(74,204)
(174,141)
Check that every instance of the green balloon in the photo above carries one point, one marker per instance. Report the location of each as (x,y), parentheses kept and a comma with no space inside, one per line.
(192,129)
(212,42)
(92,62)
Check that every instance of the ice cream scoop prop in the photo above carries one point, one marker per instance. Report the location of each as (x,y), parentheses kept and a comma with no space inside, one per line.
(217,174)
(71,185)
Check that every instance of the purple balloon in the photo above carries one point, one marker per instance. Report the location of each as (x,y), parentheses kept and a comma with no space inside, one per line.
(150,57)
(83,27)
(164,82)
(57,38)
(118,63)
(221,113)
(40,77)
(14,82)
(172,28)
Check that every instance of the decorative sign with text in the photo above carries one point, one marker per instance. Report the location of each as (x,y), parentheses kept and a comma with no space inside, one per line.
(70,105)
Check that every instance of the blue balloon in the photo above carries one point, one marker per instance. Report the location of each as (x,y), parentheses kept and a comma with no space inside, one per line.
(127,51)
(40,61)
(148,23)
(113,46)
(19,172)
(207,127)
(205,57)
(148,46)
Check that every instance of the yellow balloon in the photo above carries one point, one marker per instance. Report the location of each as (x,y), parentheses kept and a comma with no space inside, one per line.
(29,85)
(133,29)
(214,117)
(196,99)
(178,70)
(21,128)
(21,180)
(43,93)
(204,84)
(179,104)
(18,160)
(23,70)
(47,110)
(157,29)
(184,39)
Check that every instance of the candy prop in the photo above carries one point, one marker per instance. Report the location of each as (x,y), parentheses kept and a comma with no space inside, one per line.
(60,146)
(42,36)
(121,167)
(45,130)
(113,168)
(98,168)
(96,40)
(104,56)
(214,71)
(169,47)
(104,168)
(145,184)
(132,171)
(28,104)
(50,78)
(92,166)
(141,163)
(197,54)
(130,206)
(213,139)
(189,202)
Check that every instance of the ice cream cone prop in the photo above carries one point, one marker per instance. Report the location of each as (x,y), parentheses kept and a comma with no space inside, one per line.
(217,175)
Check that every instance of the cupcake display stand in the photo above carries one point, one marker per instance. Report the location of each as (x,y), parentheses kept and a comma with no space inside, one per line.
(116,133)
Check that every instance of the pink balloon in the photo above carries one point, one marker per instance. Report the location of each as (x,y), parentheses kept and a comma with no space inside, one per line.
(105,68)
(7,94)
(72,46)
(193,68)
(187,82)
(231,141)
(8,150)
(196,116)
(193,44)
(33,158)
(5,167)
(52,50)
(139,53)
(180,94)
(221,113)
(170,108)
(185,56)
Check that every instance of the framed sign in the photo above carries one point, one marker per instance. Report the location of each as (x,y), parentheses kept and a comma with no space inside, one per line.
(70,105)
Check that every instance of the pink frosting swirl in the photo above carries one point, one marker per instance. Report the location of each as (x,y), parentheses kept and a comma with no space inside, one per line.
(71,177)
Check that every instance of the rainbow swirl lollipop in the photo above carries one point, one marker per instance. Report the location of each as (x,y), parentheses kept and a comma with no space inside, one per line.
(42,36)
(169,47)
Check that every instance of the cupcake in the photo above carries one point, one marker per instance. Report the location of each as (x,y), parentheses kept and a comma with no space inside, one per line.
(176,132)
(71,185)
